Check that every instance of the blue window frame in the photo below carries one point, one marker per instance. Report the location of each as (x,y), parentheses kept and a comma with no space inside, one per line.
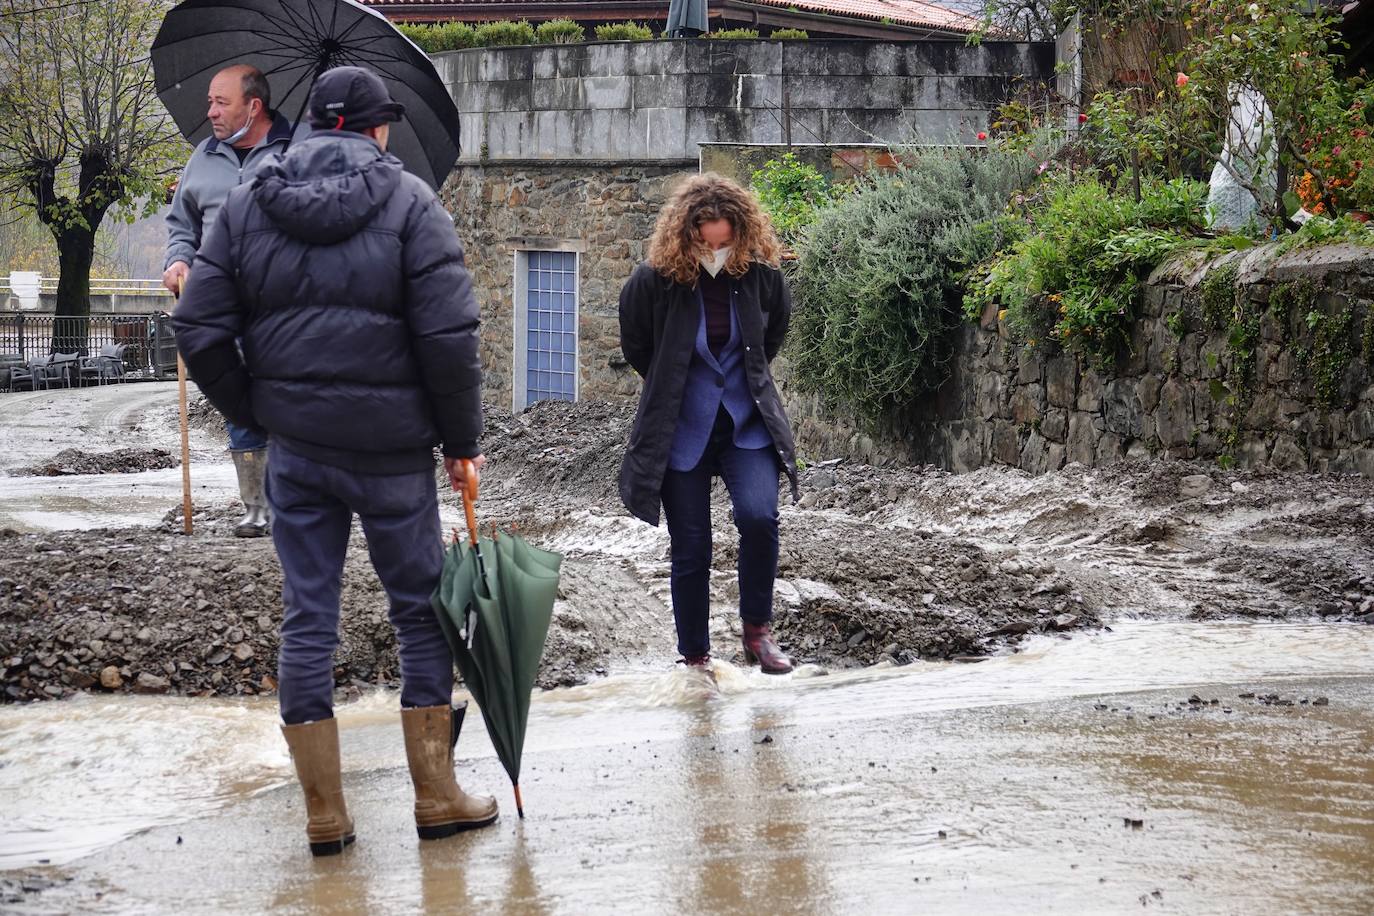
(550,325)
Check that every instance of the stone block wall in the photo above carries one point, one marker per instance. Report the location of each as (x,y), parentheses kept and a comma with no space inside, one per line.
(1308,403)
(657,100)
(606,213)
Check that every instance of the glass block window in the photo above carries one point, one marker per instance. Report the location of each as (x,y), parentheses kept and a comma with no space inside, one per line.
(550,326)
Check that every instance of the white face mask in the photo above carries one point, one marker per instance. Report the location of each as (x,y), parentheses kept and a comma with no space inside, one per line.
(239,134)
(715,261)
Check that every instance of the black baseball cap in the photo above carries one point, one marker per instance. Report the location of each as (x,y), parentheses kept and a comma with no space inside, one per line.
(351,98)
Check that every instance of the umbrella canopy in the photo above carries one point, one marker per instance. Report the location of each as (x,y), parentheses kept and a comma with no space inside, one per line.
(292,42)
(494,602)
(686,18)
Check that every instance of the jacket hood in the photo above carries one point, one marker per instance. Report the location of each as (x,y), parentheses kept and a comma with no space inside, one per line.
(327,187)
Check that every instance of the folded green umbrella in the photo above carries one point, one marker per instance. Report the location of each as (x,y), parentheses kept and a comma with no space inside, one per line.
(494,602)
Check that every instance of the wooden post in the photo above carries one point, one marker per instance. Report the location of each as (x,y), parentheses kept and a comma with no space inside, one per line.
(186,524)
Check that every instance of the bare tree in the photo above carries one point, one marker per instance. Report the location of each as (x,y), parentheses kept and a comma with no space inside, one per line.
(82,131)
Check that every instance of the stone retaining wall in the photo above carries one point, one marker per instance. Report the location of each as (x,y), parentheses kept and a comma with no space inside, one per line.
(1306,402)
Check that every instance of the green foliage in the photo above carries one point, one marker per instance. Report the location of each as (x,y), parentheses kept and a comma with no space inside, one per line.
(559,32)
(1320,230)
(1331,353)
(623,31)
(729,34)
(878,272)
(1071,276)
(439,37)
(1217,295)
(793,192)
(82,134)
(504,34)
(789,35)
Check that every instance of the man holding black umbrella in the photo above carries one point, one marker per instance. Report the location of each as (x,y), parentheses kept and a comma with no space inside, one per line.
(244,133)
(344,278)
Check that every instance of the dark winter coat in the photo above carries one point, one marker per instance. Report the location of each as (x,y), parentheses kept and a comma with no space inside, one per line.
(659,320)
(344,278)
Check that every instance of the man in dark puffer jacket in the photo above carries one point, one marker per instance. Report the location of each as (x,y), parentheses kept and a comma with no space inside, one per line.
(344,278)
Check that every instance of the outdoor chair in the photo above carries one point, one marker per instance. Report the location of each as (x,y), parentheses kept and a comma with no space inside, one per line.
(8,363)
(60,368)
(31,376)
(107,366)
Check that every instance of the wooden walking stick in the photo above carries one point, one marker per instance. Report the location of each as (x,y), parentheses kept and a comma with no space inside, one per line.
(185,436)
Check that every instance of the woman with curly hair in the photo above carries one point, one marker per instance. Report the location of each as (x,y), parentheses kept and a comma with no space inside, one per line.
(700,321)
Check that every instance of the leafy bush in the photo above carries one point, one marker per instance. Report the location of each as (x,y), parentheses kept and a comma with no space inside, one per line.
(1072,276)
(559,32)
(879,272)
(499,34)
(789,35)
(440,37)
(623,31)
(792,192)
(729,34)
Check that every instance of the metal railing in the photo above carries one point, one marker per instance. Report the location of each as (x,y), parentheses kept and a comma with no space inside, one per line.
(100,286)
(149,348)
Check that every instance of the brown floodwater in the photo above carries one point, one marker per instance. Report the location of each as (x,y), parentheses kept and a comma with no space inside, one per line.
(1074,776)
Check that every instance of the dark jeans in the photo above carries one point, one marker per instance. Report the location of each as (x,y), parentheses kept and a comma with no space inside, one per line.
(244,438)
(313,506)
(751,477)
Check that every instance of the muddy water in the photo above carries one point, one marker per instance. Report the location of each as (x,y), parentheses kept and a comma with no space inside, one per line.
(954,788)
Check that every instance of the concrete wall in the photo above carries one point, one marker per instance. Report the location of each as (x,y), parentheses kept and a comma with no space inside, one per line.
(657,100)
(104,303)
(1005,404)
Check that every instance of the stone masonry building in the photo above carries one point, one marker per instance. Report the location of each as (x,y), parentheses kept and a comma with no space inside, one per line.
(569,151)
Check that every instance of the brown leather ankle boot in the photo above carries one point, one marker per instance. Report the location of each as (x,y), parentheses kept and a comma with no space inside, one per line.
(760,647)
(315,752)
(441,807)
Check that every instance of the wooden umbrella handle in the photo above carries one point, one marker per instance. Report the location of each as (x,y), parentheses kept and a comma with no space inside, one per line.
(470,498)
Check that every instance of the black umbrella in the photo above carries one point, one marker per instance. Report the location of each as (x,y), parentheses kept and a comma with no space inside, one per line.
(293,42)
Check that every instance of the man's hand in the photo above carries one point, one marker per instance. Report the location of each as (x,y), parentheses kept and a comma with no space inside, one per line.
(175,276)
(457,472)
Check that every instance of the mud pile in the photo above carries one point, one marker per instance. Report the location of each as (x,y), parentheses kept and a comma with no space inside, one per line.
(120,461)
(876,564)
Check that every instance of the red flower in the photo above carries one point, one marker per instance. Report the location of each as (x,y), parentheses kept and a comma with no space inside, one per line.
(982,135)
(1181,80)
(1082,118)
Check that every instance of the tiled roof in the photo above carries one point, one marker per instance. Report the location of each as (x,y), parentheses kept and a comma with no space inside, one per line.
(909,13)
(901,12)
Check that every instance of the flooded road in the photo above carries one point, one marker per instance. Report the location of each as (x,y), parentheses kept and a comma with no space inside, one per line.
(1074,776)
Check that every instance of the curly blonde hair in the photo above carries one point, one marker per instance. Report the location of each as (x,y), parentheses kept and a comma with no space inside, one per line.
(676,247)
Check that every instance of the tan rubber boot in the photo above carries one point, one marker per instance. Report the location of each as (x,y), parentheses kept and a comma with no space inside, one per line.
(441,807)
(315,752)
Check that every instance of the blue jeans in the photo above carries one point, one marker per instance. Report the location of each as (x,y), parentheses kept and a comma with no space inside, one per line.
(751,477)
(313,506)
(245,438)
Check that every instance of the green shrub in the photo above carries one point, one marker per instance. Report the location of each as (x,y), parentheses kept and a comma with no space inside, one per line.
(439,37)
(1071,277)
(878,275)
(623,31)
(505,33)
(789,35)
(793,192)
(733,34)
(559,32)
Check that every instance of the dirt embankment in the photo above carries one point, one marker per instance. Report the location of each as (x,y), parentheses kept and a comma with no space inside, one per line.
(876,564)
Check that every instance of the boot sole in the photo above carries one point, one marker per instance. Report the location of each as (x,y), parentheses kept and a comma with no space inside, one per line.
(440,831)
(331,847)
(752,659)
(253,533)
